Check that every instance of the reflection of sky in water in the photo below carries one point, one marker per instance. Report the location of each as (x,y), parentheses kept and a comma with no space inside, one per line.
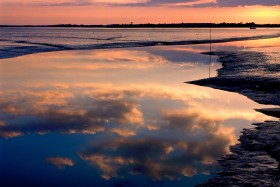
(115,118)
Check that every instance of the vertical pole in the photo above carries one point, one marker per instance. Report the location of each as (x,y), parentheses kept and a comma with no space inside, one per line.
(210,55)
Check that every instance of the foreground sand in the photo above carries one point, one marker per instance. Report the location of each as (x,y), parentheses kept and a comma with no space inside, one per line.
(255,160)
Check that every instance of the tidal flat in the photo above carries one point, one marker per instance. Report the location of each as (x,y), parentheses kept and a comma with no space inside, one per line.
(255,74)
(126,117)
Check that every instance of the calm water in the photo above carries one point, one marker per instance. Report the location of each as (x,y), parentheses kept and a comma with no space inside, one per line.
(17,41)
(87,36)
(118,117)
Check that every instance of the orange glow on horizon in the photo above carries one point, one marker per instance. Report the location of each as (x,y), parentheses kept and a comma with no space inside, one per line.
(105,14)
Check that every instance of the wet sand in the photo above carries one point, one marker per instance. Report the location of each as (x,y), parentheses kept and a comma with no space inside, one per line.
(255,160)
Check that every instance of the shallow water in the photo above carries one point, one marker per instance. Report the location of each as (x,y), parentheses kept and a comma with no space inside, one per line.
(17,41)
(84,36)
(121,117)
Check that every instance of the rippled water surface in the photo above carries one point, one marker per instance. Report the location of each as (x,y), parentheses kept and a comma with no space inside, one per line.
(81,36)
(17,41)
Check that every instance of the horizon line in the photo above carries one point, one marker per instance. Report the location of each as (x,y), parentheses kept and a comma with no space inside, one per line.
(131,24)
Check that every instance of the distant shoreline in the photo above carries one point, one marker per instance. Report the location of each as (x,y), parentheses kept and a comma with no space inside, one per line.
(160,25)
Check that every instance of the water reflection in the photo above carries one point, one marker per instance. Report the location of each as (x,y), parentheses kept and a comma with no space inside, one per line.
(91,109)
(181,145)
(60,162)
(131,108)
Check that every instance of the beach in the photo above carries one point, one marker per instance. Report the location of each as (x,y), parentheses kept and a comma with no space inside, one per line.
(255,161)
(135,107)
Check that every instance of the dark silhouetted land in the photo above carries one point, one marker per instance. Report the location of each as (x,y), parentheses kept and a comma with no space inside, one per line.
(160,25)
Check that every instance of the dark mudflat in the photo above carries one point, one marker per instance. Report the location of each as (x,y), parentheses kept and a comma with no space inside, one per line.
(255,160)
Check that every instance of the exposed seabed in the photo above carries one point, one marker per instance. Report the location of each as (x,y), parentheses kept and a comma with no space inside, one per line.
(255,160)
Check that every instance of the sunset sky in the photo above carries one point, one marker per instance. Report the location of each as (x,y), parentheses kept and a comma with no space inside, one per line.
(137,11)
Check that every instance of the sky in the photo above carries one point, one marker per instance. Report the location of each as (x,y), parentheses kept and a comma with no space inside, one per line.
(137,11)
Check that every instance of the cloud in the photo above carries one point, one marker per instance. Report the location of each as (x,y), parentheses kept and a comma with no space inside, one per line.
(228,3)
(171,3)
(211,3)
(119,1)
(205,3)
(195,144)
(60,162)
(168,3)
(74,2)
(190,3)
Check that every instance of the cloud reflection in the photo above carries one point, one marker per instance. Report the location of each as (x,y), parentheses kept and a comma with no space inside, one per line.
(161,144)
(105,95)
(147,122)
(66,113)
(193,147)
(60,162)
(92,108)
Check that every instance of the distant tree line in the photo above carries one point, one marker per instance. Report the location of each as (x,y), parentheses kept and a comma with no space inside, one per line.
(159,25)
